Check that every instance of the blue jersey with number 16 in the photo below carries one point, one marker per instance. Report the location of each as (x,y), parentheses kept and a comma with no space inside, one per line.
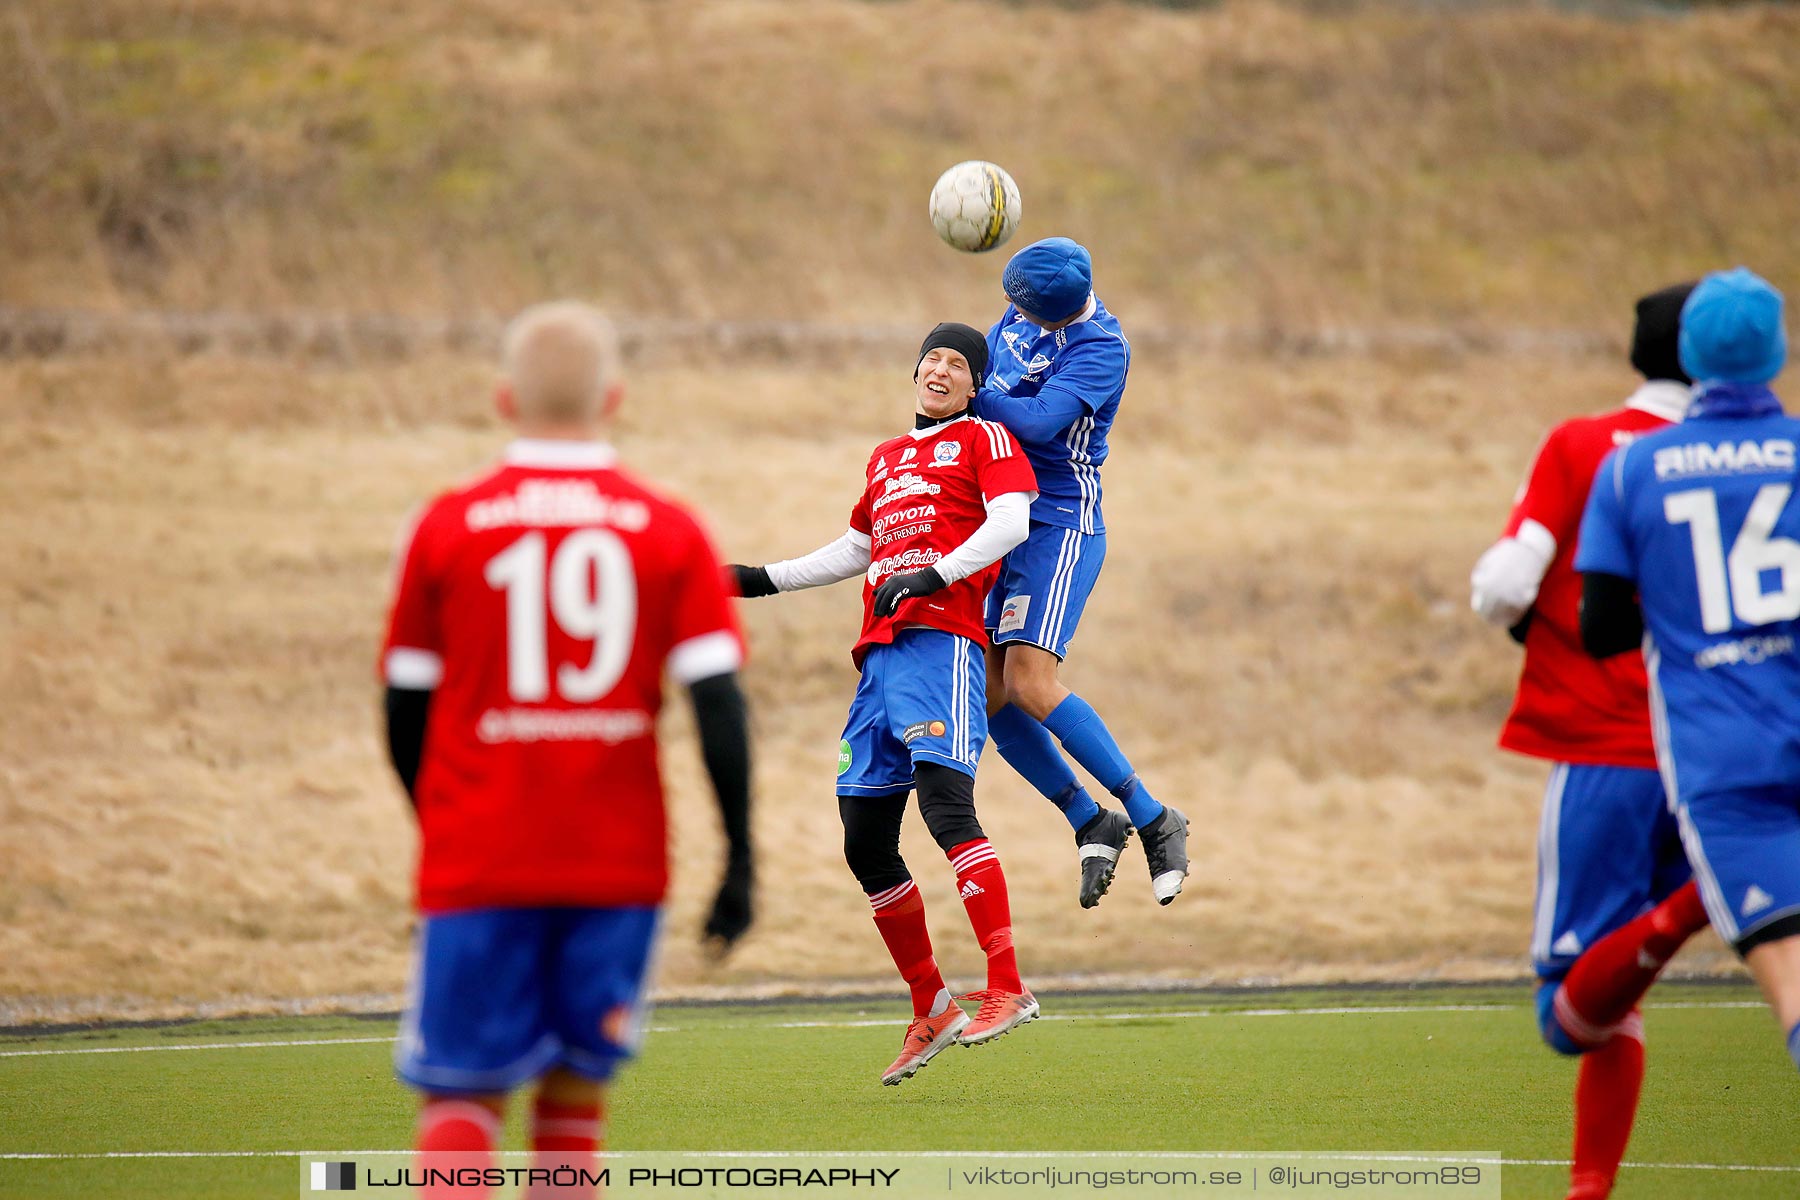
(1703,517)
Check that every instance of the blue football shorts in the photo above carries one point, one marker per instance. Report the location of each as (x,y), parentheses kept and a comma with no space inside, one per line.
(502,995)
(1044,584)
(1608,851)
(921,698)
(1745,847)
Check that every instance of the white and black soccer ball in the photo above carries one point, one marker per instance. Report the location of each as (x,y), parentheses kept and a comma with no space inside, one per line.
(975,206)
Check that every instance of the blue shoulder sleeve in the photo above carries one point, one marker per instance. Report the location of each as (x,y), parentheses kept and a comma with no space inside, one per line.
(1604,544)
(1086,376)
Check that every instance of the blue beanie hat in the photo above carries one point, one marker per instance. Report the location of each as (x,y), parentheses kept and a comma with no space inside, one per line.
(1050,280)
(1731,329)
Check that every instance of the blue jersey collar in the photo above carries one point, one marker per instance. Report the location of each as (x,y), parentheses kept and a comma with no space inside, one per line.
(1733,400)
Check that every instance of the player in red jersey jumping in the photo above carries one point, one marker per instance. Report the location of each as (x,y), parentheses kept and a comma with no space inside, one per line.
(538,609)
(1614,897)
(940,506)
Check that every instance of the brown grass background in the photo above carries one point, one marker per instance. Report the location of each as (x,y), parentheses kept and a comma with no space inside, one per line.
(194,809)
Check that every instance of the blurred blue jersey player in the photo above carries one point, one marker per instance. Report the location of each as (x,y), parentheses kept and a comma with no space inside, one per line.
(1700,522)
(1056,373)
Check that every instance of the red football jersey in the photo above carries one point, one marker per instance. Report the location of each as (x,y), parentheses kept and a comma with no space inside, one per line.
(927,492)
(541,605)
(1572,707)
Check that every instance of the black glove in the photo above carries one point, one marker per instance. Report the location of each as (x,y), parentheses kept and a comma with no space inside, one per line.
(904,586)
(750,581)
(732,910)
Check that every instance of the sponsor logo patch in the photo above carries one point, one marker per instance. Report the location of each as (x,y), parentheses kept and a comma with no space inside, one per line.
(919,729)
(1012,617)
(843,756)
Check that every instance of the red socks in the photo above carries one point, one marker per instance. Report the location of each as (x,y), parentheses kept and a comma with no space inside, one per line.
(1606,1099)
(1613,974)
(983,888)
(900,917)
(1597,1006)
(459,1128)
(567,1136)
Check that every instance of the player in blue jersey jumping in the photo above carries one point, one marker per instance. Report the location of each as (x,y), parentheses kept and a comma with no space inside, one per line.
(1690,546)
(1057,367)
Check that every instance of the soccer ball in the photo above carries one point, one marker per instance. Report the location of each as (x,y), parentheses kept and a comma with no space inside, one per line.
(975,206)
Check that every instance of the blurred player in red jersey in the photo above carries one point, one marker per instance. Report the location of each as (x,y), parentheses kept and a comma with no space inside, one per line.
(538,609)
(1614,897)
(940,506)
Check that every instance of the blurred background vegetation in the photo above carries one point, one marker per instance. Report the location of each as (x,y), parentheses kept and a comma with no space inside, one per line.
(1253,162)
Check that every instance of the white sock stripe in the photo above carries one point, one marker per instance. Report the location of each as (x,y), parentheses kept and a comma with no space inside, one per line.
(981,847)
(964,866)
(460,1110)
(1632,1027)
(1577,1026)
(892,896)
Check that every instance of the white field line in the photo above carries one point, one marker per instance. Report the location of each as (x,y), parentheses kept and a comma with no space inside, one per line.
(885,1022)
(1201,1155)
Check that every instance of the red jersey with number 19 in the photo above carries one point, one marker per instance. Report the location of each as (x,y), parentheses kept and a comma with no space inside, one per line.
(926,492)
(540,605)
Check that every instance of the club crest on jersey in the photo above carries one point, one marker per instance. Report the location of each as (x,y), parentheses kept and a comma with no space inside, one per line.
(1037,365)
(946,454)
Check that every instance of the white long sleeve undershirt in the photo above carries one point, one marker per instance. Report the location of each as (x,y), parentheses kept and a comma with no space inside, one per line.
(833,562)
(1008,521)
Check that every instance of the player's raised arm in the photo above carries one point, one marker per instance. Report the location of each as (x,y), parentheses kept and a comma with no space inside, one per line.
(1085,376)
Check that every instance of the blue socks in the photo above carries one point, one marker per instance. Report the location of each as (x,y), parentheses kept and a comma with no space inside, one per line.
(1028,749)
(1794,1044)
(1084,735)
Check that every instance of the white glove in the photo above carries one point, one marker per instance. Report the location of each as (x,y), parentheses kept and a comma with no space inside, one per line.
(1504,584)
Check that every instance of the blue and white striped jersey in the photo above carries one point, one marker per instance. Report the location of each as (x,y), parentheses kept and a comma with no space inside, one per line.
(1058,393)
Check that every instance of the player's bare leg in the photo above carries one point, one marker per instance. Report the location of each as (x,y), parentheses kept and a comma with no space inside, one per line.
(1776,966)
(465,1127)
(566,1135)
(1032,686)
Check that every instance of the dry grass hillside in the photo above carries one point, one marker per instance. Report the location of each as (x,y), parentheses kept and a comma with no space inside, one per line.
(1250,162)
(195,803)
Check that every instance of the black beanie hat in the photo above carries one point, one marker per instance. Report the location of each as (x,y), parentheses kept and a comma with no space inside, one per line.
(1656,339)
(966,341)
